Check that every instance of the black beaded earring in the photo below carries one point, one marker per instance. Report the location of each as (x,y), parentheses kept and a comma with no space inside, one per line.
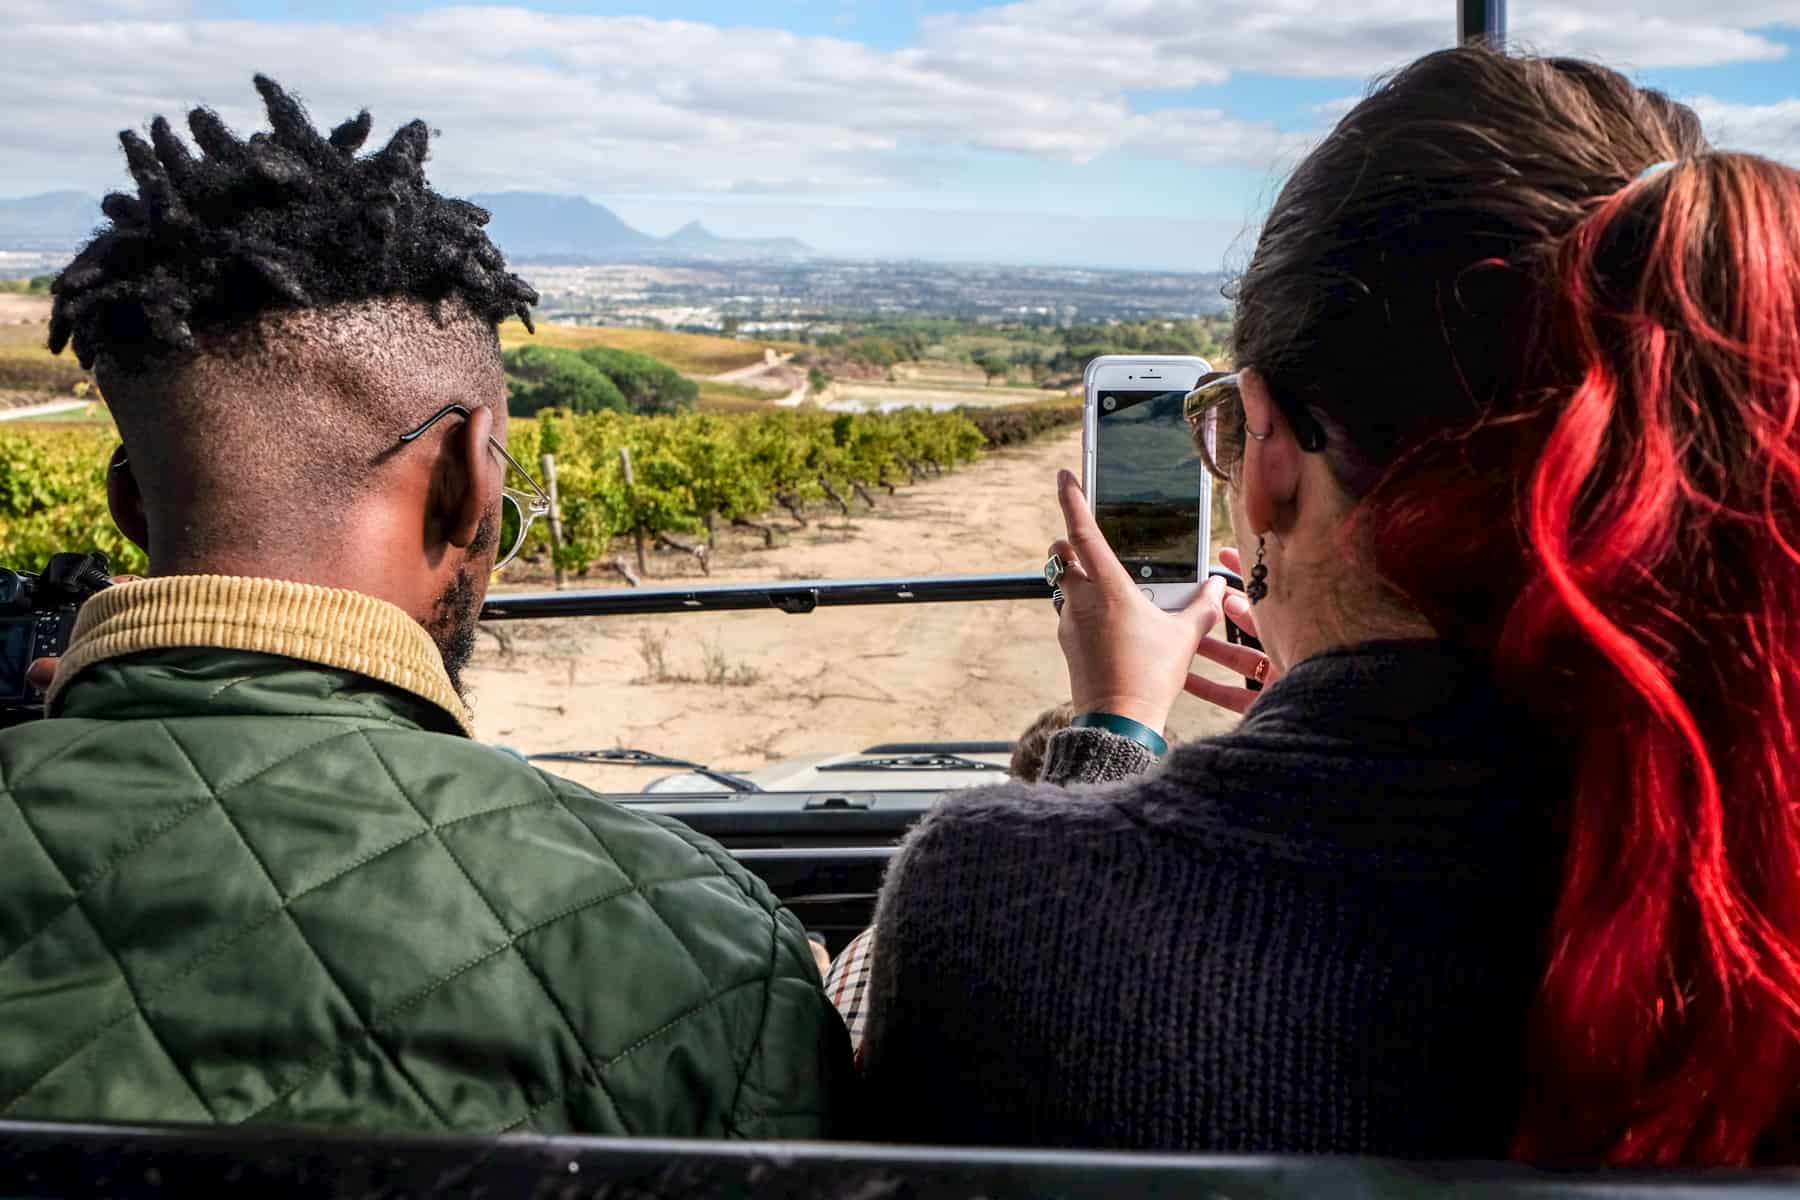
(1258,587)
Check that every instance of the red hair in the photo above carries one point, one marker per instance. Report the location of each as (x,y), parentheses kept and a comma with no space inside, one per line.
(1566,395)
(1663,518)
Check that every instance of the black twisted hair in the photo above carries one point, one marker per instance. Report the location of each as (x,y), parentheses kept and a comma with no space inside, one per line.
(287,219)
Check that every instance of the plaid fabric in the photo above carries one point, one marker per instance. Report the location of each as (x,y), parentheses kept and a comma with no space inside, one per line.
(847,984)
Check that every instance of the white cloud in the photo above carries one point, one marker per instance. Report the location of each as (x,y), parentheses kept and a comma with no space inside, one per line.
(1191,41)
(1768,129)
(1332,110)
(620,104)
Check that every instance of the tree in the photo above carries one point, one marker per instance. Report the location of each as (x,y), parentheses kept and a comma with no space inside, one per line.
(649,385)
(993,365)
(540,377)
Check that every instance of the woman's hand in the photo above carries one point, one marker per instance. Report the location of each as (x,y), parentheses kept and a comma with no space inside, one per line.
(1125,655)
(1241,659)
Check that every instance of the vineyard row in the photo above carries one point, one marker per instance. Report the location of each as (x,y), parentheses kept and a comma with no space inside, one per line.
(690,473)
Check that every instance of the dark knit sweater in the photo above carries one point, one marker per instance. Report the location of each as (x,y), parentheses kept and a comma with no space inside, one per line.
(1318,933)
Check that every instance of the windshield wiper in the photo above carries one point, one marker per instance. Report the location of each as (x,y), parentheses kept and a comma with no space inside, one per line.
(644,758)
(914,762)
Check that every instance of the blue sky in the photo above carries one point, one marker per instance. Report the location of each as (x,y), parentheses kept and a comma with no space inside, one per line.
(1097,132)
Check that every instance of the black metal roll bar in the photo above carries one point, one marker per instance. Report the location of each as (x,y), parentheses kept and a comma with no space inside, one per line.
(66,1162)
(789,597)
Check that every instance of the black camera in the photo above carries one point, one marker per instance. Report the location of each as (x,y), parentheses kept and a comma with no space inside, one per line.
(37,615)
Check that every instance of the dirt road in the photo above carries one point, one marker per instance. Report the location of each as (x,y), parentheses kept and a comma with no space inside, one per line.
(742,689)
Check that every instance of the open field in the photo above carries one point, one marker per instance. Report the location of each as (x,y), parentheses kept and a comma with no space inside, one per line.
(29,373)
(744,689)
(689,353)
(878,396)
(83,413)
(18,309)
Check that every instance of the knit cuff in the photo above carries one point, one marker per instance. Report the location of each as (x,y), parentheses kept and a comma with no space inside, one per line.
(1093,756)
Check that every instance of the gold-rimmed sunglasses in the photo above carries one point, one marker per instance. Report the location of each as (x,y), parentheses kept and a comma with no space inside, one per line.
(1214,389)
(517,509)
(1216,392)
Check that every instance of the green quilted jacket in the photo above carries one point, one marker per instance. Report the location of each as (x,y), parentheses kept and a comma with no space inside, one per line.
(236,887)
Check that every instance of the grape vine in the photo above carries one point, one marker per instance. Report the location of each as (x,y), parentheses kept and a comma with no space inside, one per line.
(692,471)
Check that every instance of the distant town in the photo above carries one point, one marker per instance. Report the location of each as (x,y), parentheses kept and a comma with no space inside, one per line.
(776,298)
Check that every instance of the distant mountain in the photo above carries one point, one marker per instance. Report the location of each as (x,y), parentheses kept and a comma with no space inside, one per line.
(52,221)
(698,239)
(526,225)
(538,225)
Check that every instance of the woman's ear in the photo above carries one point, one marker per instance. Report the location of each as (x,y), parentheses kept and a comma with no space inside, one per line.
(469,479)
(126,501)
(1271,457)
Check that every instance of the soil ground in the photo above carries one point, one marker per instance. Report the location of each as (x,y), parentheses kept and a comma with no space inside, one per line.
(743,689)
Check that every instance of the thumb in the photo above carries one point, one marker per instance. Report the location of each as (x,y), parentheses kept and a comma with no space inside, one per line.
(1205,609)
(1090,544)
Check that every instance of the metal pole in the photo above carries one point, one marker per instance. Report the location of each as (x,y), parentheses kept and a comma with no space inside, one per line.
(555,517)
(1481,20)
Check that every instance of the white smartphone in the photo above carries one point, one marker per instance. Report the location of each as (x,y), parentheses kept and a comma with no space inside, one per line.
(1146,486)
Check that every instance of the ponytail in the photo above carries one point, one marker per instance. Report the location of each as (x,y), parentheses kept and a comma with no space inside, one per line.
(1661,610)
(1564,394)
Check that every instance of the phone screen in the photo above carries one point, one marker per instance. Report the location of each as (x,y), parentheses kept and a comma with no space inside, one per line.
(1147,484)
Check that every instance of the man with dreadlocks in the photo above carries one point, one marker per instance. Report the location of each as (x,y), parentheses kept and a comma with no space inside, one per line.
(256,869)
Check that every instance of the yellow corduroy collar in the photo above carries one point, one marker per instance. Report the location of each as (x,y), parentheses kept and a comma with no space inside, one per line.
(330,626)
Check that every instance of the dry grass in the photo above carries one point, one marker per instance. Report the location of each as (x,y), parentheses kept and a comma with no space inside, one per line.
(26,364)
(94,415)
(26,337)
(691,353)
(29,366)
(731,397)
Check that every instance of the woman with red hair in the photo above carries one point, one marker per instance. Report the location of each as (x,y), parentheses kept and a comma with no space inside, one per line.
(1506,858)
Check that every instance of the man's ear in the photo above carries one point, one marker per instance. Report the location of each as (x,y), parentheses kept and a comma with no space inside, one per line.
(1271,456)
(468,481)
(126,501)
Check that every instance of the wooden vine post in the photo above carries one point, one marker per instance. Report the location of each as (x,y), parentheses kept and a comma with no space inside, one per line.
(556,541)
(637,526)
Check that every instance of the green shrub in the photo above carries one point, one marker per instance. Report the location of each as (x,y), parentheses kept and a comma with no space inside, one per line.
(541,377)
(649,385)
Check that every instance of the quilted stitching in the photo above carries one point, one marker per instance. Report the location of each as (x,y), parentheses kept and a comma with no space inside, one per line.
(668,1027)
(756,1047)
(513,943)
(152,834)
(26,822)
(682,880)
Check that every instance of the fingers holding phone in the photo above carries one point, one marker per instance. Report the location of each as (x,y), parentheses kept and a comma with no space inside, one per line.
(1143,480)
(1125,655)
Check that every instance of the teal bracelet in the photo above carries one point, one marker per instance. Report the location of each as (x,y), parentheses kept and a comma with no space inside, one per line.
(1125,727)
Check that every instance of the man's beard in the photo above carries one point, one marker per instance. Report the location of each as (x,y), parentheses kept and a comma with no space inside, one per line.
(458,609)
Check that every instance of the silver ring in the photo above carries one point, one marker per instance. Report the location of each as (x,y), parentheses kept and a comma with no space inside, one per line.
(1054,570)
(1056,601)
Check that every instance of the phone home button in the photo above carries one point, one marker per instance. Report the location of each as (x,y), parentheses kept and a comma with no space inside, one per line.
(1149,594)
